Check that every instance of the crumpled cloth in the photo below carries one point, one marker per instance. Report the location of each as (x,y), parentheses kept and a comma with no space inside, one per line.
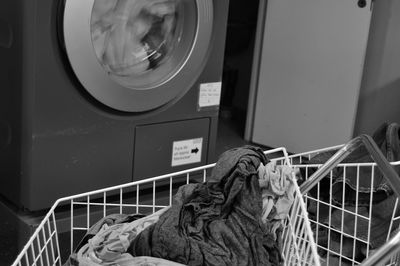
(217,222)
(277,188)
(131,37)
(224,221)
(108,240)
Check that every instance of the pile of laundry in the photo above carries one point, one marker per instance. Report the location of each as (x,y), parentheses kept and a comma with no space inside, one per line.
(235,218)
(354,194)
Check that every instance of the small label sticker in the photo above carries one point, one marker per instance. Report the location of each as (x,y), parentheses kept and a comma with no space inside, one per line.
(210,94)
(186,151)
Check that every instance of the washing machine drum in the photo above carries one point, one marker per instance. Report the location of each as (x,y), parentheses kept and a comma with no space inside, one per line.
(137,55)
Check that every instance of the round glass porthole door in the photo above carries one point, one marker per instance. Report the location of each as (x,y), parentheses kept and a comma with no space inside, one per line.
(137,55)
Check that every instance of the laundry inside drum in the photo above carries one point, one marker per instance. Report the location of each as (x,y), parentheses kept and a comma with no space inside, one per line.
(132,38)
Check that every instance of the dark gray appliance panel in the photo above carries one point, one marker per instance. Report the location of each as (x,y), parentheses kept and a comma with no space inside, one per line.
(154,146)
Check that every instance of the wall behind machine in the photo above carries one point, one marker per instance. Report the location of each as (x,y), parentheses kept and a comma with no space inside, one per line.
(380,89)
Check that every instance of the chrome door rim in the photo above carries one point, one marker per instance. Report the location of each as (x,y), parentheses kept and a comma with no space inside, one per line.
(83,60)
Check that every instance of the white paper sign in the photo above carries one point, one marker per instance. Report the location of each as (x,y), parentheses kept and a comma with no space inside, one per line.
(186,151)
(210,94)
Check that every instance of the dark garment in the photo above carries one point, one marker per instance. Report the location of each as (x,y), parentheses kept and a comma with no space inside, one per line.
(358,227)
(217,222)
(383,198)
(387,139)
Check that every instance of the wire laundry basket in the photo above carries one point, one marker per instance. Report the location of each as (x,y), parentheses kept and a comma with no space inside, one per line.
(71,217)
(344,230)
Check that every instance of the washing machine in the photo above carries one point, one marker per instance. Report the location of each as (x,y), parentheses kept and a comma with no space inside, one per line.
(96,93)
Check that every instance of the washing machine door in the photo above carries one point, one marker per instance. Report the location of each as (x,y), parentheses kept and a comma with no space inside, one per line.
(137,55)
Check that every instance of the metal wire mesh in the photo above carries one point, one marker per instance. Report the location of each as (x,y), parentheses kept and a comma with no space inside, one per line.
(54,240)
(343,232)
